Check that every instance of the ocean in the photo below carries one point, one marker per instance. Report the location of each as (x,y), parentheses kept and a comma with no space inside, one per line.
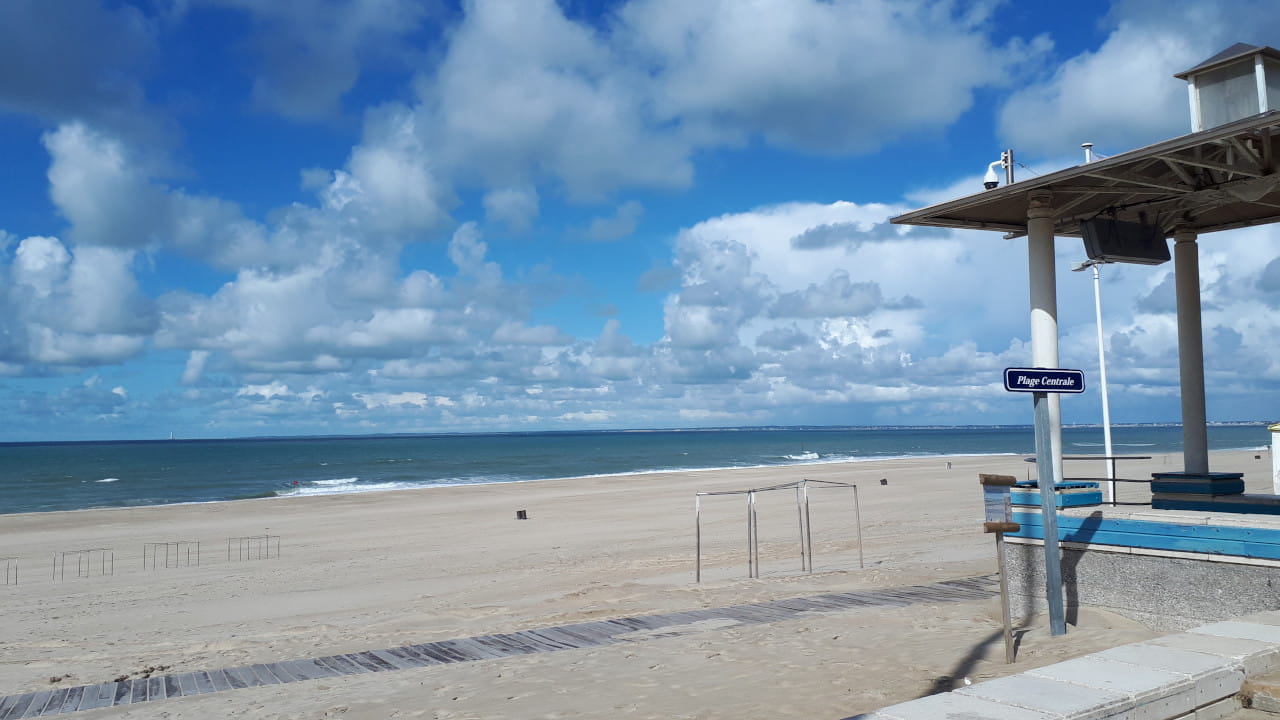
(43,477)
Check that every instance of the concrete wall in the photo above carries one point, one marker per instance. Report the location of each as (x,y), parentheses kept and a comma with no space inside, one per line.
(1164,590)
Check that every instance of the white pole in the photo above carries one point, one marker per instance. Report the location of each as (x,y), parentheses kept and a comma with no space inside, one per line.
(1102,379)
(1044,308)
(1048,413)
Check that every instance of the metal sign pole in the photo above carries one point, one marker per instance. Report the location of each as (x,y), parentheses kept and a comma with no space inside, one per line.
(1049,514)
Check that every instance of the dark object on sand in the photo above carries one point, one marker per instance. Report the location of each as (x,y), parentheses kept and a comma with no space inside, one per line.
(522,515)
(884,481)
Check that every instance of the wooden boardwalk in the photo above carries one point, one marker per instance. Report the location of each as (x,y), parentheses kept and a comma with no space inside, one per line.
(481,647)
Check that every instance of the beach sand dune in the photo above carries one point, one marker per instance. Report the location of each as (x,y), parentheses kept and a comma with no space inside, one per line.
(378,570)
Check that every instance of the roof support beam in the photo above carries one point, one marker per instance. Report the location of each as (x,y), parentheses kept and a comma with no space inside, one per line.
(1135,179)
(1181,172)
(1238,168)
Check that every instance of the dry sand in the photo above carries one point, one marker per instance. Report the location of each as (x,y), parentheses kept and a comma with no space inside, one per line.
(378,570)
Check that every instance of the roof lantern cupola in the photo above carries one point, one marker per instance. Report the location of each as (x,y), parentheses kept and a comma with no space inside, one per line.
(1238,82)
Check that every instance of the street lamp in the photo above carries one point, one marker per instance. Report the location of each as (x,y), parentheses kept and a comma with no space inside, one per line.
(1102,373)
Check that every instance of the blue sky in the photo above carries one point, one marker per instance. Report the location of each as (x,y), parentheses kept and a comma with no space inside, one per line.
(229,217)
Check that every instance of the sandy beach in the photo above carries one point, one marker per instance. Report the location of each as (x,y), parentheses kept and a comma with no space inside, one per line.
(377,570)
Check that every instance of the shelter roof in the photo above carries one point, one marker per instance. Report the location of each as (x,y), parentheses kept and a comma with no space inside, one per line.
(1234,52)
(1216,179)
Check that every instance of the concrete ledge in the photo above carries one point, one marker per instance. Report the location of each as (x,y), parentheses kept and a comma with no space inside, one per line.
(1166,590)
(1194,675)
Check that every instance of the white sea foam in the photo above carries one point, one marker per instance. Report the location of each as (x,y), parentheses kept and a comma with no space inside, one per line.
(337,482)
(108,480)
(803,456)
(318,488)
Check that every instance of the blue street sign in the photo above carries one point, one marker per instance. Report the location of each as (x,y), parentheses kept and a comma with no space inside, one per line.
(1043,380)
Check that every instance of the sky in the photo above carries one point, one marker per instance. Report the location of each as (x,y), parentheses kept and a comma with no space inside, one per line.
(225,218)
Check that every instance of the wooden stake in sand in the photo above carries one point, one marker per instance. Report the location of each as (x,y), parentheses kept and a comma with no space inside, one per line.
(999,514)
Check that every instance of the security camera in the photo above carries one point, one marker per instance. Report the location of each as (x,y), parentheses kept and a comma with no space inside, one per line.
(991,181)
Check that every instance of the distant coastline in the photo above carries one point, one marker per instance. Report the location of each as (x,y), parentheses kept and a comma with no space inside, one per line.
(613,431)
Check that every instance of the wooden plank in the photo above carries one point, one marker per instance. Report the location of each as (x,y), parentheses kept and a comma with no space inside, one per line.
(549,635)
(71,702)
(1155,527)
(602,632)
(239,678)
(1167,542)
(370,661)
(107,693)
(56,699)
(259,674)
(582,639)
(518,642)
(798,604)
(138,690)
(843,601)
(220,680)
(123,693)
(631,624)
(393,661)
(186,684)
(507,649)
(409,654)
(171,686)
(203,683)
(857,599)
(155,688)
(431,651)
(37,704)
(19,705)
(470,650)
(96,696)
(758,613)
(280,671)
(680,618)
(283,670)
(6,704)
(316,670)
(341,665)
(821,604)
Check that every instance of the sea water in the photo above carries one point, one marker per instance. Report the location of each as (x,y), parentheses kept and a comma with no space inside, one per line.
(40,477)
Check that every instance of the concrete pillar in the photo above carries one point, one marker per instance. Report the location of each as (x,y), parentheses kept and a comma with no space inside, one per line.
(1186,268)
(1041,268)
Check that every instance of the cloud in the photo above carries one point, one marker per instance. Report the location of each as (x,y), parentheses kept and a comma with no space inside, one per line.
(87,399)
(525,94)
(1122,95)
(389,185)
(828,77)
(311,54)
(837,296)
(517,207)
(64,309)
(554,100)
(80,61)
(617,226)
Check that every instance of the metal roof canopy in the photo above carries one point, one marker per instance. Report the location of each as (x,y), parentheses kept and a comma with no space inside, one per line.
(1217,179)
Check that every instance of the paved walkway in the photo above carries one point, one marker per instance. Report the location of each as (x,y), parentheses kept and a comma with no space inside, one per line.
(481,647)
(1194,675)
